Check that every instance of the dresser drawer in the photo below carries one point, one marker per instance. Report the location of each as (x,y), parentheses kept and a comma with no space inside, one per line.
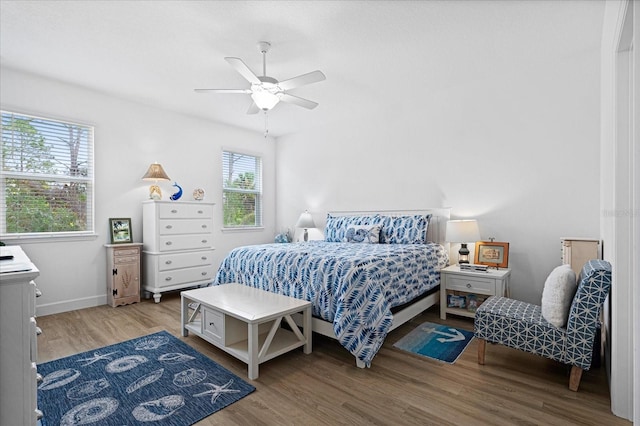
(185,260)
(126,252)
(185,211)
(213,324)
(185,226)
(183,276)
(185,242)
(471,284)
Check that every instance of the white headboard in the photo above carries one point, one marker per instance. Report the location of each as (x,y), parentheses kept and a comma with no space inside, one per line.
(437,224)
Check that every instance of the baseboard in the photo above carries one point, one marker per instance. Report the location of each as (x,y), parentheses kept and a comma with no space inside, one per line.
(70,305)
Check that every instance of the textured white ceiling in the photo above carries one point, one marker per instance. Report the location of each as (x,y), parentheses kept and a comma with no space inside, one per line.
(375,54)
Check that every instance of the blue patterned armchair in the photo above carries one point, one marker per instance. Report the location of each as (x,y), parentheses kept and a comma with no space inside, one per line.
(521,325)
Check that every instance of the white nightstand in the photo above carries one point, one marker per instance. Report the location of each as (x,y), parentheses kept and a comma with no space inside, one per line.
(482,284)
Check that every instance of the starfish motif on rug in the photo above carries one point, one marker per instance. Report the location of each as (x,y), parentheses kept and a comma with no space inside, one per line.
(97,357)
(217,390)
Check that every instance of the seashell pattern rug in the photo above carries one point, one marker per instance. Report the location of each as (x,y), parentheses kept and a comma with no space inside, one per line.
(153,379)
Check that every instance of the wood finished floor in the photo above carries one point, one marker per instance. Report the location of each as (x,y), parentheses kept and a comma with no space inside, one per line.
(326,388)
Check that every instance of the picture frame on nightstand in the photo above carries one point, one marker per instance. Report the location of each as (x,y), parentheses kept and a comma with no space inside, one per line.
(120,230)
(492,253)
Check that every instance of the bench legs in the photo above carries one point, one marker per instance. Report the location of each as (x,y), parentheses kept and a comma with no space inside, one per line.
(574,378)
(482,347)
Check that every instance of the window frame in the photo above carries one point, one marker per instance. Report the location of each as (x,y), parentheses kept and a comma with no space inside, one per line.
(259,225)
(89,232)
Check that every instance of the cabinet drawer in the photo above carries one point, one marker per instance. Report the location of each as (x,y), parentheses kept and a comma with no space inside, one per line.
(126,252)
(119,260)
(182,276)
(471,284)
(185,242)
(186,226)
(213,324)
(185,211)
(185,260)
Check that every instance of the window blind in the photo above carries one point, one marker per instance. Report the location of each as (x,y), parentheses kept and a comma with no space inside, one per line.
(47,177)
(241,190)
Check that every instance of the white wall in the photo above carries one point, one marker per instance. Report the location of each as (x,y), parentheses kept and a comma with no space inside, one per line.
(128,137)
(517,149)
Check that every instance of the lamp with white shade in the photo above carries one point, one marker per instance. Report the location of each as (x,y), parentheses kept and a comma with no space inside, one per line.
(463,231)
(305,221)
(155,173)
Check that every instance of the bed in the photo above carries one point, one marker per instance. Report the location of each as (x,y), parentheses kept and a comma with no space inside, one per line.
(372,273)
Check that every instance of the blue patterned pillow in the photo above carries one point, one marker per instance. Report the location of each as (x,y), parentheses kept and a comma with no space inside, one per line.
(367,234)
(404,229)
(336,229)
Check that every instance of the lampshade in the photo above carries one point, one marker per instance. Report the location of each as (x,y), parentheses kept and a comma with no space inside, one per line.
(463,231)
(305,221)
(264,99)
(155,173)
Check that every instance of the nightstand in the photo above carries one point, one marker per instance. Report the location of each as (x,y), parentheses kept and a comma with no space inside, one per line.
(463,283)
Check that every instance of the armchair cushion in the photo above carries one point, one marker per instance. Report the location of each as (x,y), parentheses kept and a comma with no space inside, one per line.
(557,295)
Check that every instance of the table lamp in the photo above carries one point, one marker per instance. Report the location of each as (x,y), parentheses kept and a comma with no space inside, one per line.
(463,232)
(305,221)
(155,173)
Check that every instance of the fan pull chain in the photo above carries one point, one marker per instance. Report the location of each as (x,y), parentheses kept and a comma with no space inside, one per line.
(266,125)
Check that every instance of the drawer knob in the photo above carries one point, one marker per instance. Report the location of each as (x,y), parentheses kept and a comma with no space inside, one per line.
(174,211)
(204,226)
(168,279)
(168,226)
(204,273)
(200,211)
(204,258)
(211,324)
(204,241)
(168,243)
(468,285)
(167,262)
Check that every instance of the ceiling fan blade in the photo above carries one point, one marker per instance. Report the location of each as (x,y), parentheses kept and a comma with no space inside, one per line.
(301,80)
(243,69)
(253,109)
(243,91)
(305,103)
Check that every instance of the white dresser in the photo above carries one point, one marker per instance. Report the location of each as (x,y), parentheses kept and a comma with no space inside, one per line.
(18,330)
(177,245)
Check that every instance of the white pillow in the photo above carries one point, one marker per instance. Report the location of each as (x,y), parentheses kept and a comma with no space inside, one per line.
(557,295)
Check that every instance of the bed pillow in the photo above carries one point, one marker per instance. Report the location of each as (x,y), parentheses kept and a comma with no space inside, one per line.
(367,234)
(557,295)
(336,229)
(410,229)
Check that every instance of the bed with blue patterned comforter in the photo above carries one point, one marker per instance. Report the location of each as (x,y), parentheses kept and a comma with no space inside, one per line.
(352,286)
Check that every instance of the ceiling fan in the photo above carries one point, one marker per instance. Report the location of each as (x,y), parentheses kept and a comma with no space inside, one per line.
(266,91)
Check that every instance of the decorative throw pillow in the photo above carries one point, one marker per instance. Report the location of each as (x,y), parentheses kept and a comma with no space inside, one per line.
(411,229)
(368,234)
(557,295)
(336,229)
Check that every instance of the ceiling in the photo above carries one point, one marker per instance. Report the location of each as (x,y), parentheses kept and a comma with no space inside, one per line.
(375,54)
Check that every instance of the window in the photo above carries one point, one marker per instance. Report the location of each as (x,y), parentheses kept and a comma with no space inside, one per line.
(46,180)
(241,190)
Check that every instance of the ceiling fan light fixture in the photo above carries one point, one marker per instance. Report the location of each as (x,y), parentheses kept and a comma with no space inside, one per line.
(264,99)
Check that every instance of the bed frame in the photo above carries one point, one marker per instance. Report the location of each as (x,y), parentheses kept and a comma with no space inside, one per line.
(435,233)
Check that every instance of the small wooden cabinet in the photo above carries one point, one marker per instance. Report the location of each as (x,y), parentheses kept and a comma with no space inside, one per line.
(123,273)
(578,251)
(482,284)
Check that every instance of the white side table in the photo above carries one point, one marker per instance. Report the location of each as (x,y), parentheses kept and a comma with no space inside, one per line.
(245,322)
(490,283)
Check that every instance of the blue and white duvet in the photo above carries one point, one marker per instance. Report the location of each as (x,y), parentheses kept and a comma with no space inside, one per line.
(353,286)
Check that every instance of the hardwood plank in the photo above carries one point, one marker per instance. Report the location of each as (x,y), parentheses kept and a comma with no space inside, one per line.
(325,387)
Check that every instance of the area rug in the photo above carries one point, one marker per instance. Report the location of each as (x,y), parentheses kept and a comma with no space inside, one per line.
(436,341)
(153,379)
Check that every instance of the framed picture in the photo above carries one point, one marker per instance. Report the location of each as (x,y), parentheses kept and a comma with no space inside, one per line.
(120,230)
(491,253)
